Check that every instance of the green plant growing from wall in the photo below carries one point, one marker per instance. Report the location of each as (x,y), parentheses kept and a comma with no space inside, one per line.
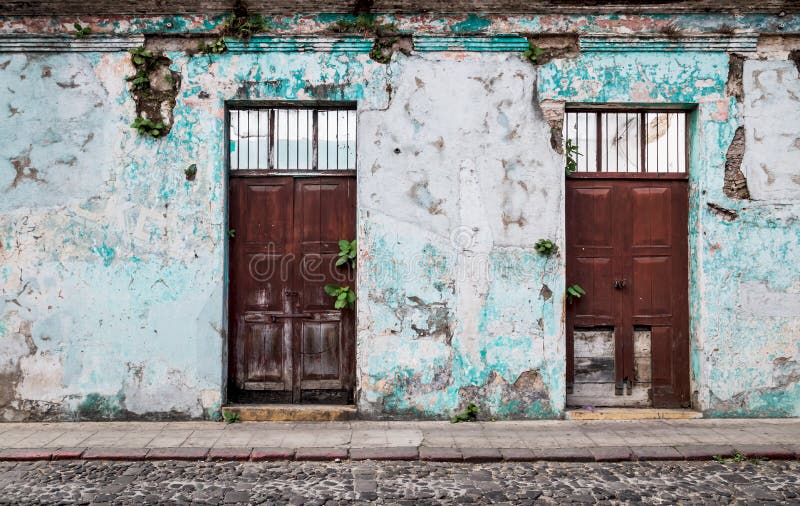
(230,417)
(81,32)
(571,151)
(153,87)
(386,35)
(470,414)
(190,172)
(545,247)
(344,295)
(232,233)
(217,46)
(574,292)
(139,81)
(347,253)
(147,127)
(241,25)
(533,52)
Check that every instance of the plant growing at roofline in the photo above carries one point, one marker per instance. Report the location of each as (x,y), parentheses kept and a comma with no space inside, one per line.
(81,32)
(533,52)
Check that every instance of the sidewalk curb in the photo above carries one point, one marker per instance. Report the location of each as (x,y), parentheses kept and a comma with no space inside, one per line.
(409,454)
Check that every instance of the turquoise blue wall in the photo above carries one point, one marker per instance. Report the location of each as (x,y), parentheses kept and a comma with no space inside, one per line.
(113,265)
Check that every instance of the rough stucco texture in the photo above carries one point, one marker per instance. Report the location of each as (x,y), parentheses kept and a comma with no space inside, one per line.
(745,319)
(112,265)
(457,182)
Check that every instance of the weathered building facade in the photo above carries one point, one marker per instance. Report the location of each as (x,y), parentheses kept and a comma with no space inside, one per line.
(120,246)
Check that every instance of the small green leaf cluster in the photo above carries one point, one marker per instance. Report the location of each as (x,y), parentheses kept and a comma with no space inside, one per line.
(575,291)
(242,25)
(230,417)
(470,414)
(216,47)
(190,172)
(81,32)
(571,151)
(533,52)
(146,126)
(545,247)
(139,81)
(142,57)
(344,295)
(144,60)
(347,253)
(365,24)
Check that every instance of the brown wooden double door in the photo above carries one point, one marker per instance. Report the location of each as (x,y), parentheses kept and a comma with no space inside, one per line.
(287,343)
(627,248)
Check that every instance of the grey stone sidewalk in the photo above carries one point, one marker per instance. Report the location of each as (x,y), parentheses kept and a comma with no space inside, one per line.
(432,441)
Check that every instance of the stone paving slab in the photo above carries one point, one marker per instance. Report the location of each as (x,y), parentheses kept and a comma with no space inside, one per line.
(577,441)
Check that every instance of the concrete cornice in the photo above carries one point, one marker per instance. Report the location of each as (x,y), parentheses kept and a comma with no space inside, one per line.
(12,43)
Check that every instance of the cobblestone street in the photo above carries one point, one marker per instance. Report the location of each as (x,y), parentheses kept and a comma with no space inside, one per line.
(396,483)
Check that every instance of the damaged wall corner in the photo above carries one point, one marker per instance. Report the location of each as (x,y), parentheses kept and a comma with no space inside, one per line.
(735,185)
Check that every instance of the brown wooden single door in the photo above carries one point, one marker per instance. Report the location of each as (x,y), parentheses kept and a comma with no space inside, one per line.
(627,246)
(286,341)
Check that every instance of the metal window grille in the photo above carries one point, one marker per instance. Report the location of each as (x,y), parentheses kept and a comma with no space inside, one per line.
(292,139)
(628,140)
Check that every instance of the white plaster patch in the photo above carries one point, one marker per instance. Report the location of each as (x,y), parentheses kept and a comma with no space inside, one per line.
(756,298)
(772,134)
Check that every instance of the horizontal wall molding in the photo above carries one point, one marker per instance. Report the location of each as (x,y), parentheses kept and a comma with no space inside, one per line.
(479,44)
(61,44)
(735,43)
(13,43)
(300,44)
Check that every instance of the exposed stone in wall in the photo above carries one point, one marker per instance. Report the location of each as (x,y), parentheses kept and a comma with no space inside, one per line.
(157,100)
(555,47)
(734,86)
(735,185)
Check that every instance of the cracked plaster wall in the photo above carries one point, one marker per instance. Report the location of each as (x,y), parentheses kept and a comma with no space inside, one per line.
(112,267)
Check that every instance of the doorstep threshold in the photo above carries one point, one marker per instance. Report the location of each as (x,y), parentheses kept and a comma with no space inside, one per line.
(291,412)
(631,414)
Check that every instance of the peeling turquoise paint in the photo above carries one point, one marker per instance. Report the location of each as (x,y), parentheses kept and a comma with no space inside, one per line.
(473,23)
(117,263)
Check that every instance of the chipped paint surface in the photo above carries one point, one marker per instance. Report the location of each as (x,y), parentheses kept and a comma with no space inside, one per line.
(113,265)
(744,279)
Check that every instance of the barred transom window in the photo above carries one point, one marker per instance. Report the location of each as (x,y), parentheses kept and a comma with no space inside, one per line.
(292,138)
(628,140)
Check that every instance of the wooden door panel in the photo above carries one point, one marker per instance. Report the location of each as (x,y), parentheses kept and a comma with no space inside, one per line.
(594,206)
(263,351)
(632,233)
(652,220)
(325,208)
(258,347)
(322,350)
(596,277)
(651,286)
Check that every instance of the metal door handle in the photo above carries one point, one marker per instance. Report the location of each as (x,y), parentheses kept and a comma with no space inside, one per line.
(619,284)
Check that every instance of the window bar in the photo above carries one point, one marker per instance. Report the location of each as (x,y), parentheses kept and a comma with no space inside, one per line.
(627,142)
(355,142)
(315,140)
(667,136)
(337,140)
(238,139)
(643,141)
(616,139)
(273,147)
(347,139)
(258,138)
(287,139)
(599,147)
